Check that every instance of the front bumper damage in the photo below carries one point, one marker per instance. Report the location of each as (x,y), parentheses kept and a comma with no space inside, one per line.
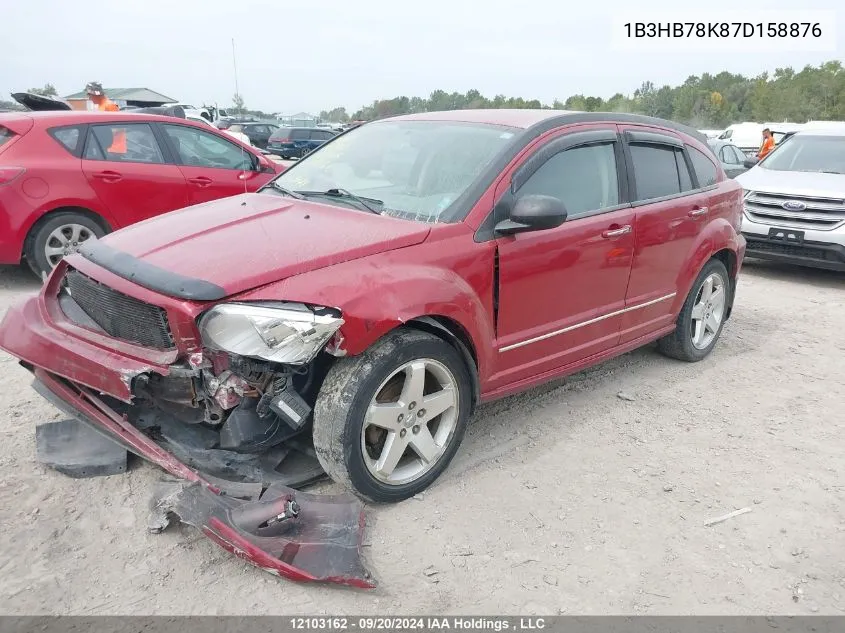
(236,499)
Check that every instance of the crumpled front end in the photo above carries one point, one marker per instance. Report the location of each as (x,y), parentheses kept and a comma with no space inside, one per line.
(129,362)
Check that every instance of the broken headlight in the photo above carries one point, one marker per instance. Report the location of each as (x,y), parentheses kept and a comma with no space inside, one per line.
(290,333)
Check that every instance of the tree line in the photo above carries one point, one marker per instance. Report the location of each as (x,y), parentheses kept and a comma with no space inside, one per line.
(705,101)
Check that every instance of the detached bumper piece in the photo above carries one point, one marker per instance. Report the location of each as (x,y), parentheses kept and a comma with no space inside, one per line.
(293,534)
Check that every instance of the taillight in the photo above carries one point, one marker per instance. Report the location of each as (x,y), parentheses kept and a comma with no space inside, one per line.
(8,174)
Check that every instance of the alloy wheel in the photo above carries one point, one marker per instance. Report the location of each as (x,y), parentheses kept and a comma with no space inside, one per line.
(410,422)
(65,240)
(708,311)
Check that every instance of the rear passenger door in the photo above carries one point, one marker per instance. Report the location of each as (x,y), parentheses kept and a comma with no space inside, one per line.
(131,173)
(670,209)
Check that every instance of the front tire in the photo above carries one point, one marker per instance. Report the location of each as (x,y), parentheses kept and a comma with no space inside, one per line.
(58,235)
(702,316)
(388,422)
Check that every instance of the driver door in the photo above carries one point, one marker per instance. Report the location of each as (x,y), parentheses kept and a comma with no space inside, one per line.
(562,290)
(213,167)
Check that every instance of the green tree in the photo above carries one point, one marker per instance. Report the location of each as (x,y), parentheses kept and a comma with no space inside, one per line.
(49,90)
(238,104)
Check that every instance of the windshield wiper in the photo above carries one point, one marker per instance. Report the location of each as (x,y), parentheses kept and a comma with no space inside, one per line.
(345,194)
(293,194)
(830,171)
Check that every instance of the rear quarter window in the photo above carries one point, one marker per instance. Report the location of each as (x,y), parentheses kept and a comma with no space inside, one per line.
(5,135)
(68,137)
(705,169)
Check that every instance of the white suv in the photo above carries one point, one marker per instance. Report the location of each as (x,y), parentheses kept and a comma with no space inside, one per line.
(795,201)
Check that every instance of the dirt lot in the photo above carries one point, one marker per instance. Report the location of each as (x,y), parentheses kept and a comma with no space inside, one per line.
(568,499)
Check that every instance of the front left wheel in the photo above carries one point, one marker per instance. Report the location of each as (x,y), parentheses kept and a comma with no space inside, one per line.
(388,422)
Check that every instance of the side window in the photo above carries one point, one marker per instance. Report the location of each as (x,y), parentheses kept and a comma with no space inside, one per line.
(655,171)
(704,167)
(727,156)
(740,157)
(583,178)
(68,137)
(124,142)
(202,149)
(683,171)
(299,135)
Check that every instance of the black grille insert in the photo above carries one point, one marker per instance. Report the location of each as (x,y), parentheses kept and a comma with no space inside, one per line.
(119,315)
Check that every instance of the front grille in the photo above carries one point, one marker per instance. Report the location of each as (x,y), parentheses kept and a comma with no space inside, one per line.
(119,315)
(818,213)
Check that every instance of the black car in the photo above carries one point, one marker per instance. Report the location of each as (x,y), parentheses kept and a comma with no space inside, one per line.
(296,142)
(258,133)
(733,160)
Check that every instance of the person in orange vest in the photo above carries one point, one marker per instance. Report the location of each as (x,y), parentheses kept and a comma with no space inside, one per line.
(768,144)
(97,96)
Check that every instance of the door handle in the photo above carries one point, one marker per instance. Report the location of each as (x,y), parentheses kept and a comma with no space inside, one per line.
(202,181)
(108,176)
(622,230)
(698,212)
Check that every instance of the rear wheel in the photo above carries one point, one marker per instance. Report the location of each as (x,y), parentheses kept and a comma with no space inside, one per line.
(388,422)
(60,234)
(702,317)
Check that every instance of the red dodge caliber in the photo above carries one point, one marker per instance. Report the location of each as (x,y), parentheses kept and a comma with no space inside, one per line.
(371,295)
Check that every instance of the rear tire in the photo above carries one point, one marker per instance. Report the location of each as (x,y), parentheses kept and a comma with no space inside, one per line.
(702,316)
(372,432)
(58,232)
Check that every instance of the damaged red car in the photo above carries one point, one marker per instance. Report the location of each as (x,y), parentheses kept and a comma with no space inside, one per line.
(358,307)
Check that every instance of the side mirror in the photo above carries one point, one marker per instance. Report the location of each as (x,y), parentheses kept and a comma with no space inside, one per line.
(748,163)
(263,165)
(533,213)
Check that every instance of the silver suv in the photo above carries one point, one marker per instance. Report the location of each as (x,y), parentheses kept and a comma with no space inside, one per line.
(795,201)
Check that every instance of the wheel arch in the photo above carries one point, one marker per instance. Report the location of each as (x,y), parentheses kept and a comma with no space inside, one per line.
(729,258)
(718,240)
(453,333)
(47,215)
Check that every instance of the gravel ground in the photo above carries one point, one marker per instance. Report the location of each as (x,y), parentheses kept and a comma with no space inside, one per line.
(566,499)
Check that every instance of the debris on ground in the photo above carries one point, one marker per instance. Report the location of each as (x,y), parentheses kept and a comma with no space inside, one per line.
(725,517)
(627,397)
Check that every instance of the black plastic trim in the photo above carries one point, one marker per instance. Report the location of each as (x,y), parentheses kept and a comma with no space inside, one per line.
(638,137)
(148,275)
(555,147)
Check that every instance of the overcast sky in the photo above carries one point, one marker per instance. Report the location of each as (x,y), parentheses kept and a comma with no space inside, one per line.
(306,55)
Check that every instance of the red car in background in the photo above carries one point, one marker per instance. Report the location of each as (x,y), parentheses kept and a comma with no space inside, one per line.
(66,176)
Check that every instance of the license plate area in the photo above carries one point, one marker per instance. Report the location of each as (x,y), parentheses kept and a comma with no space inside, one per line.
(786,236)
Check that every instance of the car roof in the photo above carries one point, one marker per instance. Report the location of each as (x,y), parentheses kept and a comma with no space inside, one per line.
(536,119)
(832,131)
(69,117)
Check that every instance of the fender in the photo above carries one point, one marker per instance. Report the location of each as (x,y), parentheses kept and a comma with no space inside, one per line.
(380,293)
(716,236)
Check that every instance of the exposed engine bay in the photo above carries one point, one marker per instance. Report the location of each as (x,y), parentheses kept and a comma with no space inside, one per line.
(233,418)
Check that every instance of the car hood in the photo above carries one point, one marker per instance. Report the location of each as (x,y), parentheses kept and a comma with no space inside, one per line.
(249,240)
(793,183)
(39,103)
